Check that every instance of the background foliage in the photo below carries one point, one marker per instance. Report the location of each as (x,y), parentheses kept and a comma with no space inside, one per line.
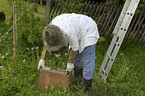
(71,6)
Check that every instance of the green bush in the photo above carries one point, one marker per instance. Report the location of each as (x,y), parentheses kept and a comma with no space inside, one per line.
(71,6)
(2,17)
(30,28)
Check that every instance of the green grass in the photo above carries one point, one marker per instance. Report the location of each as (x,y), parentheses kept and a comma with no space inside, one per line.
(7,8)
(127,75)
(41,11)
(126,78)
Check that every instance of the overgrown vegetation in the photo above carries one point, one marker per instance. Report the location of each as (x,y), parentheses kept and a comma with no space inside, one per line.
(71,6)
(126,78)
(2,17)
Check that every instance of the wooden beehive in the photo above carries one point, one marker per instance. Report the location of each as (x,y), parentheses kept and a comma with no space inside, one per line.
(53,77)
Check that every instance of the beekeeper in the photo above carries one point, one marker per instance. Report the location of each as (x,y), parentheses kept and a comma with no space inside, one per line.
(80,32)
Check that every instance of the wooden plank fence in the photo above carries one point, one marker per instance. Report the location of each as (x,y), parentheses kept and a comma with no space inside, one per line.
(106,16)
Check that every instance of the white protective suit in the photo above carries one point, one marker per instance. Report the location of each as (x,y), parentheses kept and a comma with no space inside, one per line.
(80,30)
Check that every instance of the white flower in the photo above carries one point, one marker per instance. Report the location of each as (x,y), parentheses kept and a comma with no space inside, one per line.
(6,32)
(63,63)
(121,54)
(32,48)
(6,53)
(66,54)
(37,47)
(21,70)
(27,48)
(24,60)
(127,68)
(1,67)
(57,55)
(3,57)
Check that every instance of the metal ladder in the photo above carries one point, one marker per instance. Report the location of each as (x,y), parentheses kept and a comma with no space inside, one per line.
(119,34)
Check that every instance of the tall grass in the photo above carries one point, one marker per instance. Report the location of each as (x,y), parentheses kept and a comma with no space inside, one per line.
(126,78)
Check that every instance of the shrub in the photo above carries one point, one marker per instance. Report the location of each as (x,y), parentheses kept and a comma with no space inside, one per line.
(2,16)
(68,6)
(29,27)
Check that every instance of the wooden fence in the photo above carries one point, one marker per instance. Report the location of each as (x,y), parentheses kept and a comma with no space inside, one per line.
(106,16)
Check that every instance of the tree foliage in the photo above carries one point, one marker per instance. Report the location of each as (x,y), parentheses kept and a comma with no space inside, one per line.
(29,27)
(71,6)
(2,16)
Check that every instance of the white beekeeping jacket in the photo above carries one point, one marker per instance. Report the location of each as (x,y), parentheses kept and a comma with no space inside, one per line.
(81,31)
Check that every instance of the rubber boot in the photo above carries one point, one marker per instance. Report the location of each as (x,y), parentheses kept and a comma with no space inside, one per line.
(78,75)
(87,86)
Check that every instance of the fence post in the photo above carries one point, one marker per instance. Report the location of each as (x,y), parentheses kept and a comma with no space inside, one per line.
(41,2)
(15,34)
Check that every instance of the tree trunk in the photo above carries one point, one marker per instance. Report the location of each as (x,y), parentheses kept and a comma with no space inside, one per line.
(41,2)
(48,8)
(35,6)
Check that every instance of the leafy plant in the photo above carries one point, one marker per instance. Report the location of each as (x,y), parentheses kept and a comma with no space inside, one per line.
(71,6)
(2,16)
(30,27)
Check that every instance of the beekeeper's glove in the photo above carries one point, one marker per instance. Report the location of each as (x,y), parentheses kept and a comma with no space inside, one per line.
(41,63)
(70,67)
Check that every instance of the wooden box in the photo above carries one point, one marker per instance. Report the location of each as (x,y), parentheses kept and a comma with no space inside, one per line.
(53,77)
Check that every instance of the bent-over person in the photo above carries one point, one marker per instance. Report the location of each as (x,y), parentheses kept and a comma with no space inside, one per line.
(80,32)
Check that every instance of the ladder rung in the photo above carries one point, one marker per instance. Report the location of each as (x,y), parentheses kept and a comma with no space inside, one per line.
(117,28)
(114,33)
(102,69)
(115,42)
(108,55)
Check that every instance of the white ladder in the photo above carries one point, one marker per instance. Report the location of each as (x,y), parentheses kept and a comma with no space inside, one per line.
(119,33)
